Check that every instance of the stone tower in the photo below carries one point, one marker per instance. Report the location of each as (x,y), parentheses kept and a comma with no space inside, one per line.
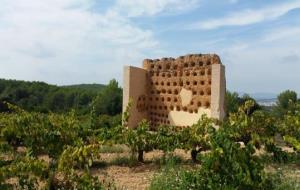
(175,92)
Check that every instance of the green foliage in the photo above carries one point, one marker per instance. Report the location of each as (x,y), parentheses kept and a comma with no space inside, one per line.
(284,98)
(167,138)
(289,127)
(256,128)
(233,101)
(285,102)
(226,166)
(109,100)
(196,137)
(41,97)
(293,142)
(140,140)
(27,170)
(230,166)
(231,162)
(174,178)
(78,157)
(39,132)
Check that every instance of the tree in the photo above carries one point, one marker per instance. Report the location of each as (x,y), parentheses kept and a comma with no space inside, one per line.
(285,102)
(284,98)
(109,101)
(232,100)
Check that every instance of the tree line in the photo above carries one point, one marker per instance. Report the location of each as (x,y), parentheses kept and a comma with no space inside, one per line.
(45,98)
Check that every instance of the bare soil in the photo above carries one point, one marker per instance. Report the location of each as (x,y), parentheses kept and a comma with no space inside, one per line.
(136,177)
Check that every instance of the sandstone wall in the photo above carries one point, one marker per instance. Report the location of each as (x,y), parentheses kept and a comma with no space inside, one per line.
(178,91)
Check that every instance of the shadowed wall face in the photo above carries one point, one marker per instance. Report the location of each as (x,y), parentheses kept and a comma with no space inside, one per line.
(178,91)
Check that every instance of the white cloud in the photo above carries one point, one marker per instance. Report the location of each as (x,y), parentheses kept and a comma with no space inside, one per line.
(62,41)
(269,63)
(135,8)
(249,16)
(282,33)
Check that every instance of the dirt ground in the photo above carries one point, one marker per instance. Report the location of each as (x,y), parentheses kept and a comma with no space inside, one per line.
(136,177)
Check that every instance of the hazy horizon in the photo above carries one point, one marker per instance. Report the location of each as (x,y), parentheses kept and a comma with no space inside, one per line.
(66,42)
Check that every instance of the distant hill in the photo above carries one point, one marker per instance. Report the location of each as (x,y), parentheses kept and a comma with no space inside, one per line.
(260,95)
(263,98)
(87,87)
(43,97)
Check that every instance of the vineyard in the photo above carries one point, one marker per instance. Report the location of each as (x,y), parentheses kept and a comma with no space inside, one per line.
(63,151)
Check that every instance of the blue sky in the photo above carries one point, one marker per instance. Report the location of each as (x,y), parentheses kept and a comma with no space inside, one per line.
(89,41)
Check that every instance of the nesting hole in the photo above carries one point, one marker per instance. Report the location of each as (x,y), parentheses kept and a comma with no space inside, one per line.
(208,91)
(207,104)
(209,72)
(199,104)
